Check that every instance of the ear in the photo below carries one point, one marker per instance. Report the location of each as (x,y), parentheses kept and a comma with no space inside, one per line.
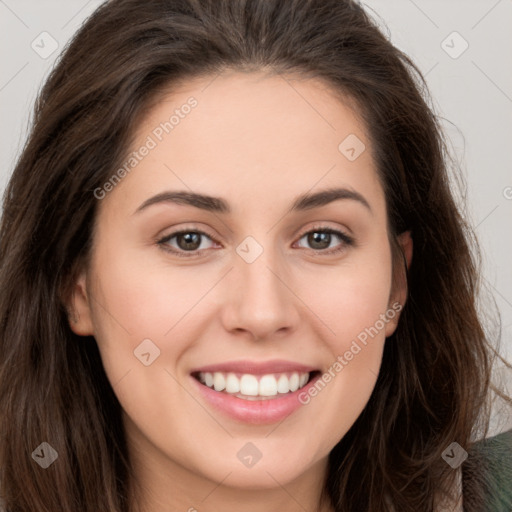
(399,290)
(80,318)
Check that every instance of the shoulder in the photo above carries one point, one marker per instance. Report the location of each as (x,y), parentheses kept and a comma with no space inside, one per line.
(488,469)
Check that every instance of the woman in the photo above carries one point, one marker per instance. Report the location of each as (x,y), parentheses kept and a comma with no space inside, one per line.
(234,275)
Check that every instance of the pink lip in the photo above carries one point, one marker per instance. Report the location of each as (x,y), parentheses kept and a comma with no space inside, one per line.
(267,411)
(256,368)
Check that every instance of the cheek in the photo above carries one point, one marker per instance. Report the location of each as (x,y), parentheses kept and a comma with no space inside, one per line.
(141,310)
(354,311)
(351,298)
(145,301)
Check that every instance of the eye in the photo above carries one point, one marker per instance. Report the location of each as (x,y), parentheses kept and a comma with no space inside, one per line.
(320,239)
(190,241)
(186,240)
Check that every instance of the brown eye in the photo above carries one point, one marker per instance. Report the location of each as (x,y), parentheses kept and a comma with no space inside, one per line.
(185,241)
(188,241)
(320,239)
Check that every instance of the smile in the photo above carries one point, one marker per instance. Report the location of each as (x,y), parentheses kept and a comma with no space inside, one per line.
(252,392)
(254,387)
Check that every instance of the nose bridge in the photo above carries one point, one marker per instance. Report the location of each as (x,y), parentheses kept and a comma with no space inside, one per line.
(260,301)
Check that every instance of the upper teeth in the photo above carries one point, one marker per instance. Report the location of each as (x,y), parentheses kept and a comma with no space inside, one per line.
(252,385)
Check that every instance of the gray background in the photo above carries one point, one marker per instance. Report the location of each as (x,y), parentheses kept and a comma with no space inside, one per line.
(472,93)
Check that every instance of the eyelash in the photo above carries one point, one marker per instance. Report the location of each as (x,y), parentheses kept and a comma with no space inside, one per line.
(347,241)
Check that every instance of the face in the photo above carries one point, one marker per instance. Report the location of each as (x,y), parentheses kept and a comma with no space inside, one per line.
(264,289)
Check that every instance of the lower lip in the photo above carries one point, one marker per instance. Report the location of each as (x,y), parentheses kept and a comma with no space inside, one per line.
(266,411)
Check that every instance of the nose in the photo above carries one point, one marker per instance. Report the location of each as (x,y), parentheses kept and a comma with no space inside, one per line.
(260,297)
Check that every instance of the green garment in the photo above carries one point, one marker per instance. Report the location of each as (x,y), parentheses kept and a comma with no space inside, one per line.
(491,470)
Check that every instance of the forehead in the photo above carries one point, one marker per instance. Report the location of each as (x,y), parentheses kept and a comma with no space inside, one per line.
(251,135)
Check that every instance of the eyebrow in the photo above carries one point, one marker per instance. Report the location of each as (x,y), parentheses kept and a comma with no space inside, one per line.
(303,202)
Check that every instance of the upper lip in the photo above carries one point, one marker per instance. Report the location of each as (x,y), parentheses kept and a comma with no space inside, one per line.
(256,367)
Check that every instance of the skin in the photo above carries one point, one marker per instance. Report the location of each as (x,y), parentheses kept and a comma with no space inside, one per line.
(258,141)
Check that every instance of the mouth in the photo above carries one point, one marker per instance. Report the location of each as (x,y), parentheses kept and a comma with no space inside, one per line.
(253,387)
(254,393)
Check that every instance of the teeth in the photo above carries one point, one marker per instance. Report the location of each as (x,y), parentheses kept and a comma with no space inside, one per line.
(268,386)
(248,385)
(232,383)
(251,387)
(283,384)
(294,382)
(219,382)
(208,379)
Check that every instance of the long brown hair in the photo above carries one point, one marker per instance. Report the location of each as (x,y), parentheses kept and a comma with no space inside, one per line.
(436,368)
